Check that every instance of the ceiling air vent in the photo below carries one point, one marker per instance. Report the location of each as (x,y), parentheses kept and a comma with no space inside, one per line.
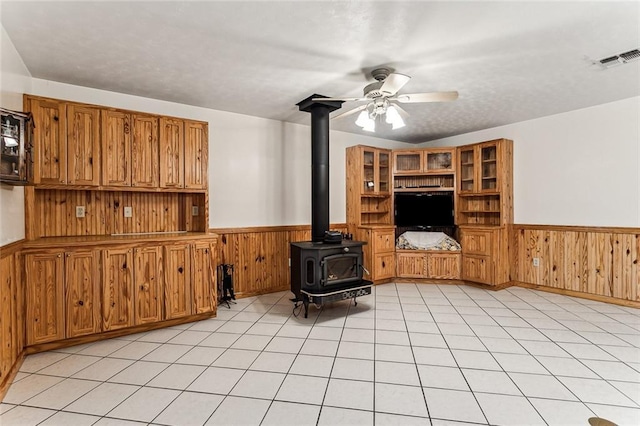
(623,58)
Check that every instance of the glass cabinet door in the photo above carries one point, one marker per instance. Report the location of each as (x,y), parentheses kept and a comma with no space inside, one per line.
(489,171)
(439,161)
(383,172)
(467,170)
(368,172)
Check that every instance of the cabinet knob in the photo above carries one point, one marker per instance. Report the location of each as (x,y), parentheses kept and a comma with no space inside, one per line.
(59,255)
(80,302)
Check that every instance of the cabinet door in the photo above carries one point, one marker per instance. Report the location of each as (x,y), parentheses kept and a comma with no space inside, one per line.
(477,269)
(439,160)
(411,265)
(443,266)
(50,142)
(82,294)
(116,148)
(384,172)
(172,158)
(117,289)
(177,281)
(148,285)
(407,162)
(384,266)
(476,242)
(368,171)
(489,171)
(466,170)
(195,155)
(383,241)
(83,145)
(144,152)
(45,298)
(203,278)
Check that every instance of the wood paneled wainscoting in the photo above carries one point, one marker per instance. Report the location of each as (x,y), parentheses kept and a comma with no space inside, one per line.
(11,314)
(591,262)
(260,255)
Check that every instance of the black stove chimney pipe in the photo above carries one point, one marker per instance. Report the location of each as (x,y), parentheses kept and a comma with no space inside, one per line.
(319,162)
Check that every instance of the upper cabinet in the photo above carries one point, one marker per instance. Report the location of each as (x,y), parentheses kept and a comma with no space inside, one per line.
(485,183)
(86,145)
(368,186)
(431,169)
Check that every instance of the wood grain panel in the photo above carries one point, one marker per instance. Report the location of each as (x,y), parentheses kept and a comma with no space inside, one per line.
(83,145)
(117,288)
(578,259)
(203,277)
(148,285)
(45,297)
(50,142)
(177,284)
(172,158)
(411,264)
(82,288)
(444,265)
(116,148)
(196,154)
(145,171)
(8,317)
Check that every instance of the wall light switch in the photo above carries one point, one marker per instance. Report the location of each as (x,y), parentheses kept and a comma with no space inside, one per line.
(194,210)
(80,211)
(536,261)
(128,212)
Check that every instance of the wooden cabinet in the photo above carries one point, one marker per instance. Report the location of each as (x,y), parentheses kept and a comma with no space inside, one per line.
(82,287)
(203,277)
(83,145)
(379,252)
(485,256)
(196,156)
(45,297)
(368,186)
(117,288)
(485,183)
(145,172)
(148,285)
(49,141)
(172,155)
(116,148)
(432,264)
(431,169)
(177,290)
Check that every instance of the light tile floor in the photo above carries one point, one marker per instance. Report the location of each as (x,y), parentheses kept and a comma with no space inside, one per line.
(408,354)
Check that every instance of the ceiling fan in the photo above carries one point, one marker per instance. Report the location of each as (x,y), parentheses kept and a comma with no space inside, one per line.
(382,96)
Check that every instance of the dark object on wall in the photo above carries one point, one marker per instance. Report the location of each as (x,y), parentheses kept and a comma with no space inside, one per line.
(15,147)
(226,294)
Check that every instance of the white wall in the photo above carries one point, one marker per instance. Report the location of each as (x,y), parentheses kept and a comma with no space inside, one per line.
(577,168)
(259,169)
(14,81)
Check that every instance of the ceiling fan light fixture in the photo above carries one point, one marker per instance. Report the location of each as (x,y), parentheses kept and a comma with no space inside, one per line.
(393,117)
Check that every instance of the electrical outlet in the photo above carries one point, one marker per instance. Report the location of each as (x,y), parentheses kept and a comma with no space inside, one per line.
(80,211)
(536,261)
(128,212)
(194,210)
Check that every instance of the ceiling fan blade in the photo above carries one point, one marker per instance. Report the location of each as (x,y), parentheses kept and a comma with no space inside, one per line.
(426,97)
(393,83)
(340,99)
(404,114)
(350,112)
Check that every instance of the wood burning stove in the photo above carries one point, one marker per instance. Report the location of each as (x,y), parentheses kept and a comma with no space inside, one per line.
(324,270)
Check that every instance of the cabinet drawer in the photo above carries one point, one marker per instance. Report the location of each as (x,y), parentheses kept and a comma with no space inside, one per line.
(383,241)
(476,242)
(384,266)
(477,269)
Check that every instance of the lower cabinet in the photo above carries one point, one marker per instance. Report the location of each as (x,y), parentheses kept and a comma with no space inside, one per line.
(379,252)
(485,258)
(433,264)
(82,292)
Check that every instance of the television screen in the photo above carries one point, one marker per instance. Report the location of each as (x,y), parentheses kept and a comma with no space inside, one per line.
(424,209)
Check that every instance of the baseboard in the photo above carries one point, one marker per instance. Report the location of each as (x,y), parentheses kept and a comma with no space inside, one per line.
(581,295)
(4,386)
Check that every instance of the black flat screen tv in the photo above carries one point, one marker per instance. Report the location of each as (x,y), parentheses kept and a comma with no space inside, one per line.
(424,209)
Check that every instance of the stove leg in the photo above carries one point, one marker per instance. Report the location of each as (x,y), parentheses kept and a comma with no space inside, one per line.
(305,302)
(355,302)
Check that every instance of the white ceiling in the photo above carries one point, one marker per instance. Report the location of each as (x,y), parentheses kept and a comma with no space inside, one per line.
(510,61)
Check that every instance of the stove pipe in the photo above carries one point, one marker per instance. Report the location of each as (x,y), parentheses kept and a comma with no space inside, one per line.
(319,162)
